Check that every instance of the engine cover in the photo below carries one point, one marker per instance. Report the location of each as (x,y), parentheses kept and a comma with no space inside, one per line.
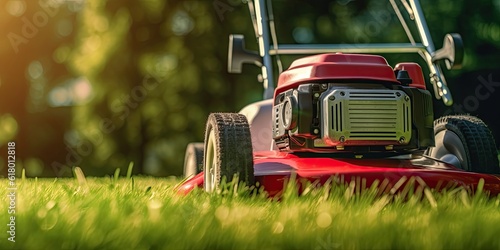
(363,117)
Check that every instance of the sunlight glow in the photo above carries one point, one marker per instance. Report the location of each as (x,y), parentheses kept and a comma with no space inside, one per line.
(8,128)
(73,92)
(35,70)
(16,7)
(182,23)
(59,97)
(81,90)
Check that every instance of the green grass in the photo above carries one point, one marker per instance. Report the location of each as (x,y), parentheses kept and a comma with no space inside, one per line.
(145,213)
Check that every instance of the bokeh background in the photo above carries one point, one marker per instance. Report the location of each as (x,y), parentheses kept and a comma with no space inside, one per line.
(102,83)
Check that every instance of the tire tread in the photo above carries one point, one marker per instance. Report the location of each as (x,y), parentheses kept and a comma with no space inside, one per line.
(234,144)
(476,138)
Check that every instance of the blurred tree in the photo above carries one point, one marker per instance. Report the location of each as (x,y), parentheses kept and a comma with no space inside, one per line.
(29,35)
(156,73)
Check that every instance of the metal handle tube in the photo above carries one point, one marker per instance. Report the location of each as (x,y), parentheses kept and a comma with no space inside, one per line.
(440,87)
(298,49)
(264,46)
(422,27)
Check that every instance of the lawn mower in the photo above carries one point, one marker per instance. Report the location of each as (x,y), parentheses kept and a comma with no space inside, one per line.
(344,112)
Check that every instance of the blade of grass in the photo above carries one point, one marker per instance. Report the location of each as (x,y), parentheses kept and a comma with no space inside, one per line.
(129,170)
(117,174)
(80,177)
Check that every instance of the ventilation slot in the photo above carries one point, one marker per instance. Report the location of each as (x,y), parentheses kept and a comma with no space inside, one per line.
(277,118)
(407,118)
(368,95)
(336,117)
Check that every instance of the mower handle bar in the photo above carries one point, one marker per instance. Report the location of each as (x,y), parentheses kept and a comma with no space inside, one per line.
(269,47)
(437,78)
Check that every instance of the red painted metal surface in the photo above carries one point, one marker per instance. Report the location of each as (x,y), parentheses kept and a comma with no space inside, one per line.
(273,168)
(335,67)
(189,185)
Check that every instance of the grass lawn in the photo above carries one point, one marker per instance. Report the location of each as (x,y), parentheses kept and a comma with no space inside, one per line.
(145,213)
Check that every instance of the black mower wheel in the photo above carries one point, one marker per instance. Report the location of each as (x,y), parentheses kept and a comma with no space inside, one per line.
(465,142)
(227,150)
(193,159)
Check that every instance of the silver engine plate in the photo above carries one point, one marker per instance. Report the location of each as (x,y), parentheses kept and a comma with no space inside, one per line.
(365,117)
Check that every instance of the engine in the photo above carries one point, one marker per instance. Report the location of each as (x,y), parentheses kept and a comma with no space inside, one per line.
(352,103)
